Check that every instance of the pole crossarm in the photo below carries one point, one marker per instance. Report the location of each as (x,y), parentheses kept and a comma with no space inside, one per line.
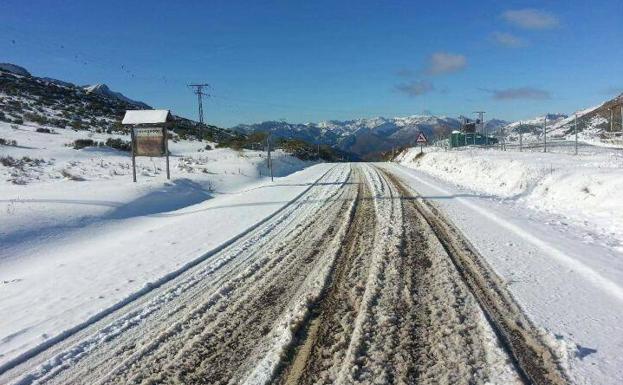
(198,90)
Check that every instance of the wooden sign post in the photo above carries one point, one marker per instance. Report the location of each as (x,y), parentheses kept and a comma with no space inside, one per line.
(149,141)
(149,133)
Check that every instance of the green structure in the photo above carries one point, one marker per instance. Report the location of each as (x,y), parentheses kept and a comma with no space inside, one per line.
(461,139)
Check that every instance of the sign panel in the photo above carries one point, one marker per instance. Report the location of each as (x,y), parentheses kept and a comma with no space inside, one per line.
(421,138)
(149,141)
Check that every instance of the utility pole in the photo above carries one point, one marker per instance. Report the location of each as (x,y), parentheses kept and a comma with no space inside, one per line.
(576,133)
(198,90)
(611,119)
(481,119)
(545,134)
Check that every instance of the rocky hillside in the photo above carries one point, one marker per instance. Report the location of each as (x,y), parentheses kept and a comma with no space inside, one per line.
(42,101)
(27,99)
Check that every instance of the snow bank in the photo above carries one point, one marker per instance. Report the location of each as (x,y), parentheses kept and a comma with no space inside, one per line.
(78,236)
(585,189)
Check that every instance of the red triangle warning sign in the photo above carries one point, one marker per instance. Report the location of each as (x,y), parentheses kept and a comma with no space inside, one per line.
(421,138)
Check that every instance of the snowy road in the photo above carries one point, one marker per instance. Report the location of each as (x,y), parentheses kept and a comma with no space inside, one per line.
(355,281)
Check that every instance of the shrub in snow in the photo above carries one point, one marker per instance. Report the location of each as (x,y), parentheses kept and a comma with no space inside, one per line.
(119,144)
(82,143)
(44,130)
(8,142)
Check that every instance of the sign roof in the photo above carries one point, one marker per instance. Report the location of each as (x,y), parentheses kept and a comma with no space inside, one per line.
(146,116)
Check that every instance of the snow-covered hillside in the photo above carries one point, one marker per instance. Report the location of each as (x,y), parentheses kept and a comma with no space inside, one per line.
(46,101)
(593,125)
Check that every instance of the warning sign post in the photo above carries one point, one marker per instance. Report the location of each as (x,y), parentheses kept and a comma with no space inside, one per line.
(421,140)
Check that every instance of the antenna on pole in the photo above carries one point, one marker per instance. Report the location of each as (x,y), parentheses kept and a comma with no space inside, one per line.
(481,117)
(198,90)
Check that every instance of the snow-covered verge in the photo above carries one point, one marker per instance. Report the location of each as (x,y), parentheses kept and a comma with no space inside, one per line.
(568,283)
(77,236)
(583,190)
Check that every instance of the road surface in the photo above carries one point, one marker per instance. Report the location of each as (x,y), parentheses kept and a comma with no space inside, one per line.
(355,281)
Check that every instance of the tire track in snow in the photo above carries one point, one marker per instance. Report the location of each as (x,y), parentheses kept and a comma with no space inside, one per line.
(70,354)
(396,311)
(536,361)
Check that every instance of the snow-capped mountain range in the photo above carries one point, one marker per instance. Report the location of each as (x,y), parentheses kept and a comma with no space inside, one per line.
(366,137)
(369,137)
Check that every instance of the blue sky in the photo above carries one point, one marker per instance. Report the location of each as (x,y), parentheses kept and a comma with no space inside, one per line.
(316,60)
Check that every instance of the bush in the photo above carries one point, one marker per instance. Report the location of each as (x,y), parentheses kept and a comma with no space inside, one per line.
(76,125)
(8,142)
(119,144)
(82,143)
(18,121)
(44,130)
(208,147)
(9,161)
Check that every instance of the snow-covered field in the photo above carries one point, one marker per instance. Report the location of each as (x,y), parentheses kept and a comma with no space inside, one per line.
(77,236)
(583,190)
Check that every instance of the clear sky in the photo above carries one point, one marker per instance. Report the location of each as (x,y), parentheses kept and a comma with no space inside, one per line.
(315,60)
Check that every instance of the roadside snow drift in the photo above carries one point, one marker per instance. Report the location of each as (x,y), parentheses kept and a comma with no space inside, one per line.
(585,190)
(77,236)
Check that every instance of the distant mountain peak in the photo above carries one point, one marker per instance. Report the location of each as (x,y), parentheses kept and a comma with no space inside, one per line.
(14,69)
(104,90)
